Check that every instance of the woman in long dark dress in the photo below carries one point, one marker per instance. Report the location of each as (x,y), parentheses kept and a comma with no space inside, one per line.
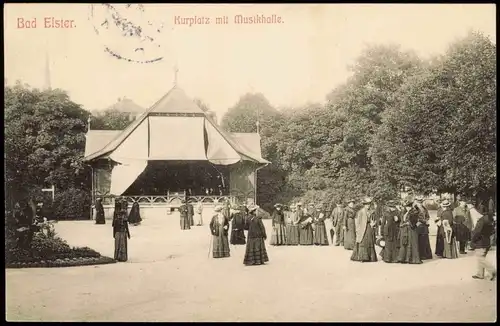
(292,228)
(190,213)
(408,252)
(306,235)
(238,226)
(183,212)
(350,226)
(118,208)
(255,253)
(424,244)
(134,217)
(278,236)
(219,226)
(446,233)
(364,248)
(121,233)
(320,237)
(390,232)
(99,212)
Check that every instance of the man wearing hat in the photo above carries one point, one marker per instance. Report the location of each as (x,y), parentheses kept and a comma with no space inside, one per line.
(349,226)
(183,211)
(278,237)
(446,245)
(338,221)
(463,224)
(424,244)
(364,249)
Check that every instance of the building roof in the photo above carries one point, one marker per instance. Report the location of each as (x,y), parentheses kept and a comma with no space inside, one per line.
(174,104)
(126,105)
(97,139)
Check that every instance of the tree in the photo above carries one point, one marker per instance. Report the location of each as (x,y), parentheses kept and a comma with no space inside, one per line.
(242,117)
(110,119)
(44,142)
(440,134)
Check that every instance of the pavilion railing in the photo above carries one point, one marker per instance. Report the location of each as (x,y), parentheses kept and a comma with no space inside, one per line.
(169,200)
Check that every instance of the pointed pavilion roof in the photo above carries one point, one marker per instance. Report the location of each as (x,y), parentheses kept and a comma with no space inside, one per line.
(175,103)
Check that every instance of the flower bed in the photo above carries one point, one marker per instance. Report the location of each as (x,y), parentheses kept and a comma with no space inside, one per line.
(48,250)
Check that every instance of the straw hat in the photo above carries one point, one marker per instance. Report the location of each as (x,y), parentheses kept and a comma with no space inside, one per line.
(445,203)
(367,200)
(278,205)
(351,201)
(419,198)
(218,208)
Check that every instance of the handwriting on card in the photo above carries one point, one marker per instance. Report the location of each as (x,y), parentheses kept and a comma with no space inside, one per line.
(46,22)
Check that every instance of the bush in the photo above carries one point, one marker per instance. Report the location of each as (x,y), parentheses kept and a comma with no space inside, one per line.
(72,204)
(48,250)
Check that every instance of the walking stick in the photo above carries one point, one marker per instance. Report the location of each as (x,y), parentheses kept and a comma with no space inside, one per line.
(209,245)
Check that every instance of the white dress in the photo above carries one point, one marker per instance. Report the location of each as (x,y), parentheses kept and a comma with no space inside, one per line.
(198,211)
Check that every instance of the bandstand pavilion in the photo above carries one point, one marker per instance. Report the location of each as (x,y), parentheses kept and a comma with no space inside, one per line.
(171,150)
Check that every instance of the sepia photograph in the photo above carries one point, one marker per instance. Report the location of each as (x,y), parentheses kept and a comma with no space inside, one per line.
(250,162)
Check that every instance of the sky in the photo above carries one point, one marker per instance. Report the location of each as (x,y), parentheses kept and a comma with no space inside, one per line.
(295,62)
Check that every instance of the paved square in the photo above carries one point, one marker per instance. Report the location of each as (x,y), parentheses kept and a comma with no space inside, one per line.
(169,277)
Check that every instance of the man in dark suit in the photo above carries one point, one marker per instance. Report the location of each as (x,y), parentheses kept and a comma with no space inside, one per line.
(481,242)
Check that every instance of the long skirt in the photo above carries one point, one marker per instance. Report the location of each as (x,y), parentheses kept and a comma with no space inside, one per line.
(320,236)
(424,244)
(255,252)
(306,235)
(100,218)
(185,223)
(339,234)
(439,244)
(238,237)
(278,236)
(462,233)
(350,235)
(121,246)
(198,220)
(191,220)
(364,251)
(390,252)
(450,249)
(292,235)
(220,246)
(408,251)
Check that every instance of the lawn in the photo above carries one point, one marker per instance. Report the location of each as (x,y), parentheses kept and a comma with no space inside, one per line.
(169,277)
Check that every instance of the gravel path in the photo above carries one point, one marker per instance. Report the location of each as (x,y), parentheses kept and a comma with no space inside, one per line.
(169,277)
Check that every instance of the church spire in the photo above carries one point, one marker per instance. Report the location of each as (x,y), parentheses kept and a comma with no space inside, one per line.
(47,85)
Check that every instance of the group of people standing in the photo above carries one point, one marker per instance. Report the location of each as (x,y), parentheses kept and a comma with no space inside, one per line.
(400,228)
(241,218)
(190,216)
(299,226)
